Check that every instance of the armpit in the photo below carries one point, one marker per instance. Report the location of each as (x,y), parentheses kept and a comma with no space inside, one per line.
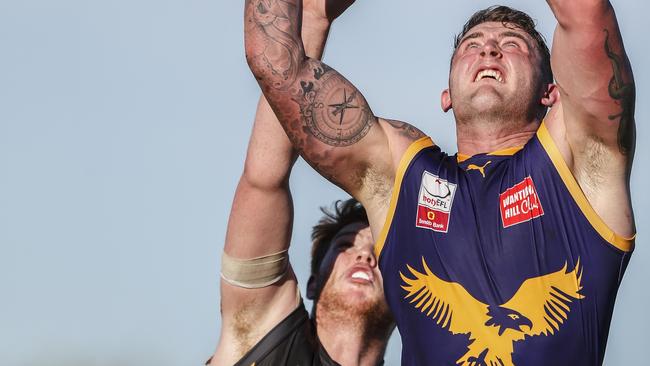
(244,328)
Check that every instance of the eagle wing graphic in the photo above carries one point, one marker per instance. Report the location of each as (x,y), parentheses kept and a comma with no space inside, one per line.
(545,300)
(443,300)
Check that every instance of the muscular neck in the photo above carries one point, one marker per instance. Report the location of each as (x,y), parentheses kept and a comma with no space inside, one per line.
(477,138)
(351,340)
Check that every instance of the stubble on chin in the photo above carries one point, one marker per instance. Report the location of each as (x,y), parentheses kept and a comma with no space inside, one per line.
(498,109)
(372,314)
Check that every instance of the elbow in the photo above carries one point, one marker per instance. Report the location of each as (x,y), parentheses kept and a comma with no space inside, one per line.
(252,55)
(267,175)
(264,181)
(252,44)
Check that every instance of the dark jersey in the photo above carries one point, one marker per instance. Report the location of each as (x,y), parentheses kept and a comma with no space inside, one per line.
(293,342)
(498,259)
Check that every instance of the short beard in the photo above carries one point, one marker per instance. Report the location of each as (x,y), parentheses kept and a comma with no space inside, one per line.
(372,316)
(506,115)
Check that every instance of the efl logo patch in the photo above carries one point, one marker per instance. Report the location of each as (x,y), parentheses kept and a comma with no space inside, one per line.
(434,203)
(520,203)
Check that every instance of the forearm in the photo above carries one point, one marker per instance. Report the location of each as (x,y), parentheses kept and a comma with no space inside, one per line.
(315,30)
(274,49)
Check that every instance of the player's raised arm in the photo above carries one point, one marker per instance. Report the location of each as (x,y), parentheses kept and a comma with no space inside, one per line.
(593,73)
(258,287)
(259,228)
(326,117)
(597,95)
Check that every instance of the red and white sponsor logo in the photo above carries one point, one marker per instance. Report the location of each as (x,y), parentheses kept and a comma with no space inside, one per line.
(434,203)
(520,203)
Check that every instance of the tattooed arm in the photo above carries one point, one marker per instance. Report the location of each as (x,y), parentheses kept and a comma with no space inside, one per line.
(325,116)
(595,129)
(264,199)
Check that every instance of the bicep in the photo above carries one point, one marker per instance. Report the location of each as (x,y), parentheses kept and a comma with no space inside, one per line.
(326,117)
(259,225)
(594,77)
(331,124)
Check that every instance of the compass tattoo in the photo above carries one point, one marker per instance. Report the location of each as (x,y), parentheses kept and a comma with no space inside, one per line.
(336,114)
(340,108)
(329,108)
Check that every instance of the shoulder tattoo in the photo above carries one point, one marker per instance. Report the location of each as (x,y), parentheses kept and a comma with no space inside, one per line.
(406,129)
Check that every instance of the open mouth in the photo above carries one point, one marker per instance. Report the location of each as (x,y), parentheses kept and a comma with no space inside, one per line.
(489,74)
(361,275)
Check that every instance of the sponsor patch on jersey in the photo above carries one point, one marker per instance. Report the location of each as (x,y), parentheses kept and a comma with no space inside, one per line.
(434,203)
(520,203)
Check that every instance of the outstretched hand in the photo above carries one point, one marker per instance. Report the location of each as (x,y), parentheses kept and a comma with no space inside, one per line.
(326,9)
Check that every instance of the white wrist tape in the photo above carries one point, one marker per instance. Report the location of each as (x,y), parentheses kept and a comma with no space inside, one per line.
(255,272)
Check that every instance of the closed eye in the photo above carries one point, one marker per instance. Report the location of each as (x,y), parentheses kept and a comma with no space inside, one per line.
(343,245)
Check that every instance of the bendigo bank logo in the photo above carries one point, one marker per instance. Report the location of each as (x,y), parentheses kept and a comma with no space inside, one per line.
(434,203)
(538,308)
(520,203)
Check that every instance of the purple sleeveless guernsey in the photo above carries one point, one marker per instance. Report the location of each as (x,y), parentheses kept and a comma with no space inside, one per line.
(498,259)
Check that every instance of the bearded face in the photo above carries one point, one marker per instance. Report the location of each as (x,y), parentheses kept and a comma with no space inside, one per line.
(355,307)
(353,288)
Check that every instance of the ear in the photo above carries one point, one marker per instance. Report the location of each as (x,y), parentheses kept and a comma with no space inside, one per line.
(312,285)
(445,100)
(551,95)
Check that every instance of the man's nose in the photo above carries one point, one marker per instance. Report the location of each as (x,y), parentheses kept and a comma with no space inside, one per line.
(490,50)
(366,255)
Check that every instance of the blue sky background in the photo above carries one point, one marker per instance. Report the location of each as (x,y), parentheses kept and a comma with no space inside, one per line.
(123,127)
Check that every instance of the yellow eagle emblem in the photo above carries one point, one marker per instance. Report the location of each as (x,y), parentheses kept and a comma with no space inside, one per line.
(539,307)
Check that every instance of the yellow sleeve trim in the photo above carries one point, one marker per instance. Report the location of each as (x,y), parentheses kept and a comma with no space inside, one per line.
(620,242)
(404,163)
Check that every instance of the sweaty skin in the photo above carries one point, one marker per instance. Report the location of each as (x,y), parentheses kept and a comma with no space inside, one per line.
(332,126)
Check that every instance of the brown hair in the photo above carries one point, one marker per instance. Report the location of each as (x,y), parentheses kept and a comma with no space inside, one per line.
(343,214)
(511,17)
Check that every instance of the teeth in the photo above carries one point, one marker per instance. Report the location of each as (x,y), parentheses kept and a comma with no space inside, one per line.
(489,73)
(362,275)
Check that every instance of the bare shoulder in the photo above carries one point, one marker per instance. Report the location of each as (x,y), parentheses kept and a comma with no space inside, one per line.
(407,131)
(400,136)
